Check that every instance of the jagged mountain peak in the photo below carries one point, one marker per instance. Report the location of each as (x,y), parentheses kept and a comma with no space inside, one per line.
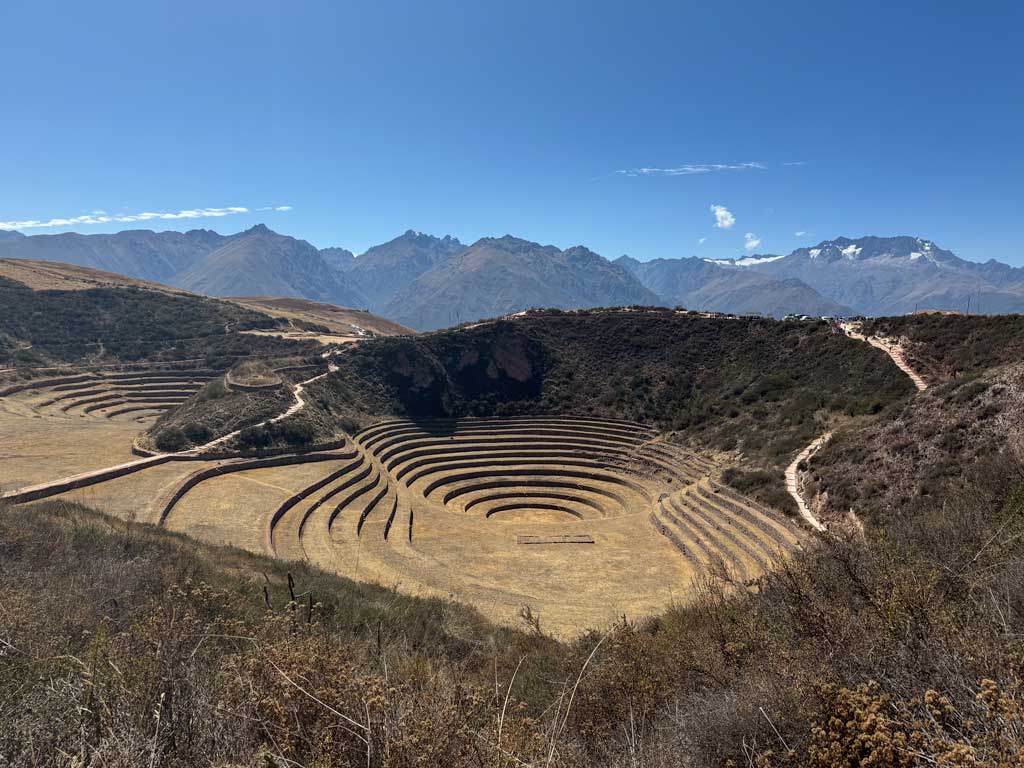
(892,275)
(911,249)
(511,243)
(424,237)
(500,275)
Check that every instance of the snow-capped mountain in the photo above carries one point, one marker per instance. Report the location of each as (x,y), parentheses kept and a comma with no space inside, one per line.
(707,284)
(894,275)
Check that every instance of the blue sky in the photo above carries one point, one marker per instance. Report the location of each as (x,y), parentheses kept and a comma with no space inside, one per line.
(488,118)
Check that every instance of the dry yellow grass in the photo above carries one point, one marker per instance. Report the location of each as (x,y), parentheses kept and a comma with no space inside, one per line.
(471,490)
(38,447)
(322,338)
(340,320)
(49,275)
(236,508)
(136,496)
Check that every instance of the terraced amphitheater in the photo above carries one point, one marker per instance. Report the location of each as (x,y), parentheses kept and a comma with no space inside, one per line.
(133,395)
(569,515)
(490,464)
(62,425)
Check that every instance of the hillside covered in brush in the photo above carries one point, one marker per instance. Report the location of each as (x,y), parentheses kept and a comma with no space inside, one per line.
(759,387)
(88,316)
(926,447)
(252,661)
(943,346)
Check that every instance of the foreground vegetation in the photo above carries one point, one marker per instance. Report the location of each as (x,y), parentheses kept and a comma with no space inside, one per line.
(124,645)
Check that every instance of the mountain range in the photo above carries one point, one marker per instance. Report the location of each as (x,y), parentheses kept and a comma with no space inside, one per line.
(708,285)
(429,282)
(501,275)
(895,275)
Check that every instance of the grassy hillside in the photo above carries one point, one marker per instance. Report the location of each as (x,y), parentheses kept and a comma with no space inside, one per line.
(941,347)
(332,318)
(124,645)
(127,324)
(760,387)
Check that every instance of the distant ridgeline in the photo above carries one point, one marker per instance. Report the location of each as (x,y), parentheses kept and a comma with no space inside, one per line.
(427,282)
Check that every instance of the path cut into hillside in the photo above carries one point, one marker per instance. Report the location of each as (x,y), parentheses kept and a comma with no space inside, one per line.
(793,484)
(893,349)
(298,405)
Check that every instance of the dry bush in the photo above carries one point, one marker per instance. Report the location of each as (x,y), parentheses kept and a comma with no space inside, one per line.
(126,646)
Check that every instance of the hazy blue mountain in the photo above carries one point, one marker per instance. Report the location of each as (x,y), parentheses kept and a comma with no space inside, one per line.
(142,253)
(386,269)
(707,285)
(497,276)
(259,262)
(894,275)
(338,258)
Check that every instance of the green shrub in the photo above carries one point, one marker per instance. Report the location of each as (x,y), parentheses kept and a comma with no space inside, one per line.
(171,440)
(197,433)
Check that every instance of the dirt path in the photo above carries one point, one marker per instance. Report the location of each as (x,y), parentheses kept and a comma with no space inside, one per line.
(294,408)
(793,486)
(892,349)
(895,352)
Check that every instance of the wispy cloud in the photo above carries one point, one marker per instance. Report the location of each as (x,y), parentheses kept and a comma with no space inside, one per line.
(751,241)
(102,217)
(692,169)
(701,241)
(795,162)
(801,233)
(723,216)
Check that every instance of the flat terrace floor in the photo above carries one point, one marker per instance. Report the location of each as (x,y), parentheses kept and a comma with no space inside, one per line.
(65,425)
(444,510)
(39,447)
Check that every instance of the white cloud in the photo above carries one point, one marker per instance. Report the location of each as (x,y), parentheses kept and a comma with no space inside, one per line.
(102,217)
(801,233)
(798,162)
(692,169)
(701,241)
(723,216)
(751,241)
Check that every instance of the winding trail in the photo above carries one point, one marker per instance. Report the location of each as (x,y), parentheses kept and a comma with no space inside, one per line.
(895,351)
(294,408)
(892,349)
(793,485)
